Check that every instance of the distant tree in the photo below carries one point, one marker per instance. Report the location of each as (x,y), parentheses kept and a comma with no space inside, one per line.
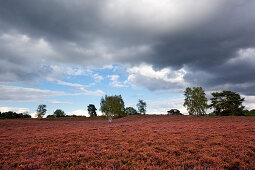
(141,106)
(92,110)
(227,103)
(112,106)
(51,116)
(130,111)
(13,115)
(250,113)
(41,110)
(195,101)
(174,112)
(25,115)
(59,113)
(74,116)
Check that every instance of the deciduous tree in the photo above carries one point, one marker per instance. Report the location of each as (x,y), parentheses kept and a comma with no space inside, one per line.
(92,110)
(41,110)
(59,113)
(174,112)
(141,105)
(112,106)
(195,101)
(130,111)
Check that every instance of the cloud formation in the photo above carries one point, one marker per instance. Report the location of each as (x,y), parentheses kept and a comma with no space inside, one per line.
(21,94)
(14,109)
(212,40)
(91,93)
(146,76)
(115,81)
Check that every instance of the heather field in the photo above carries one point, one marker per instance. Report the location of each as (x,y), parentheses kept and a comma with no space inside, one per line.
(133,142)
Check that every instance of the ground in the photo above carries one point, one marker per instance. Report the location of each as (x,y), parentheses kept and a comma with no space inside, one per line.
(133,142)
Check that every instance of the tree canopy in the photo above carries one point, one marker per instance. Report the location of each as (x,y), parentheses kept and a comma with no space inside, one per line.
(13,115)
(92,110)
(227,103)
(174,112)
(195,101)
(59,113)
(130,111)
(141,105)
(112,106)
(41,110)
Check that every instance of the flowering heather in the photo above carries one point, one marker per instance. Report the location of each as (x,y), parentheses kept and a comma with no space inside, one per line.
(133,142)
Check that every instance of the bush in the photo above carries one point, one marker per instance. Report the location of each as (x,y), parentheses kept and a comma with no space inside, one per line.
(51,116)
(130,111)
(174,112)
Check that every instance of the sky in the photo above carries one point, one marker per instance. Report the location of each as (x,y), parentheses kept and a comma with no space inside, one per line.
(68,54)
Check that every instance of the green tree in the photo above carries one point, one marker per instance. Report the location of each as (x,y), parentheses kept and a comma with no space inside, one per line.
(250,113)
(195,101)
(174,112)
(59,113)
(141,106)
(130,111)
(50,116)
(112,106)
(41,110)
(13,115)
(227,103)
(92,110)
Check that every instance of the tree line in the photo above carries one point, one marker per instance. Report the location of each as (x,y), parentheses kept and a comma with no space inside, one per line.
(110,106)
(13,115)
(224,103)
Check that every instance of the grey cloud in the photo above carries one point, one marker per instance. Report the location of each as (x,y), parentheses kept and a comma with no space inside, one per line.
(13,93)
(200,38)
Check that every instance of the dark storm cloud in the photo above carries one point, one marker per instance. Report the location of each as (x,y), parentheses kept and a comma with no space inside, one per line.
(202,37)
(51,19)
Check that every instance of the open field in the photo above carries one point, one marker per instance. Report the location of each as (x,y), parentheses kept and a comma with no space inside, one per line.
(155,142)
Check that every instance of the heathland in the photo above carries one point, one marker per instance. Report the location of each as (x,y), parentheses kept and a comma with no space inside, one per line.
(132,142)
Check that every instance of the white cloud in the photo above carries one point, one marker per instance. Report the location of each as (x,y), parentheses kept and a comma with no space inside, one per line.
(91,93)
(59,102)
(98,77)
(14,109)
(14,93)
(145,76)
(249,102)
(34,115)
(162,106)
(79,113)
(68,84)
(115,81)
(70,71)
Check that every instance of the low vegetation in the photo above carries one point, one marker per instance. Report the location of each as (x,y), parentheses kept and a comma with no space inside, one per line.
(132,142)
(13,115)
